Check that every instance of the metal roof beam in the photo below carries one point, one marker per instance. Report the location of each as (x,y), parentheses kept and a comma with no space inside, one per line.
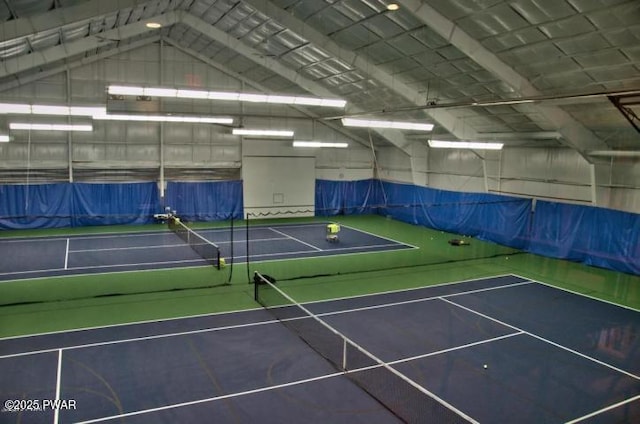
(260,87)
(56,18)
(53,54)
(22,80)
(197,24)
(574,133)
(452,121)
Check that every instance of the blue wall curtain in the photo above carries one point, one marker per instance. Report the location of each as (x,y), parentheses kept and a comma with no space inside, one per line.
(35,206)
(205,201)
(501,219)
(109,204)
(346,197)
(591,235)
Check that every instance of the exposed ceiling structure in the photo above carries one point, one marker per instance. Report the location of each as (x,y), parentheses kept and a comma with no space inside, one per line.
(526,72)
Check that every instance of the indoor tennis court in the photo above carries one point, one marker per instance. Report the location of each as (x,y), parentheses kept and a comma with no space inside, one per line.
(308,211)
(483,345)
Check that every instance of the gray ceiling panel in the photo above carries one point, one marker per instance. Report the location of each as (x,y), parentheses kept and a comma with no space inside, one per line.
(474,50)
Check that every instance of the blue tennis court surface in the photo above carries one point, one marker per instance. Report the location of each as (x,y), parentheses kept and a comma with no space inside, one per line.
(551,356)
(51,256)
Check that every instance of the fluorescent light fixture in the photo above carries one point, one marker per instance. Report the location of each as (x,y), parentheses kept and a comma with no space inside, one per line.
(192,94)
(262,133)
(14,108)
(160,92)
(25,109)
(122,90)
(153,25)
(49,127)
(225,95)
(393,6)
(165,118)
(398,125)
(319,144)
(4,138)
(465,145)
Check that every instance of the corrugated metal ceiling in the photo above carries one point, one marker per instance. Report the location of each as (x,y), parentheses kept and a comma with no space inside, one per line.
(394,63)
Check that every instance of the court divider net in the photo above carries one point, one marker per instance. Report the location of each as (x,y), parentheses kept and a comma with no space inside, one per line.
(395,391)
(208,250)
(293,244)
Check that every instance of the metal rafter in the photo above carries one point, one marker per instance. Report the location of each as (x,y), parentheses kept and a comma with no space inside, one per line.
(122,48)
(197,24)
(53,54)
(573,132)
(61,17)
(452,121)
(260,87)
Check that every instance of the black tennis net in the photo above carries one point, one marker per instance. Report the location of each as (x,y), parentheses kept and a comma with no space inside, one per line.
(403,397)
(208,250)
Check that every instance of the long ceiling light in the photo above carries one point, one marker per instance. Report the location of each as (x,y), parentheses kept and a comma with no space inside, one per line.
(320,144)
(26,109)
(4,138)
(122,90)
(49,127)
(262,133)
(165,118)
(398,125)
(465,145)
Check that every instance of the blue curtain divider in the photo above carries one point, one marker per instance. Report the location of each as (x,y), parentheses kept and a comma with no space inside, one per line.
(205,201)
(112,204)
(346,197)
(500,219)
(594,236)
(35,206)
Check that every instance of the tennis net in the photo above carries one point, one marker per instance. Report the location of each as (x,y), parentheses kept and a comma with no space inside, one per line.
(206,249)
(395,391)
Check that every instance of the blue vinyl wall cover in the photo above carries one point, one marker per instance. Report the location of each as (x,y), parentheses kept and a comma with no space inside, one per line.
(600,237)
(205,201)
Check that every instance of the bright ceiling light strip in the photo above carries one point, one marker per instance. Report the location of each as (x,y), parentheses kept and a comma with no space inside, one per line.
(122,90)
(320,144)
(4,138)
(465,145)
(49,127)
(165,118)
(398,125)
(262,133)
(25,109)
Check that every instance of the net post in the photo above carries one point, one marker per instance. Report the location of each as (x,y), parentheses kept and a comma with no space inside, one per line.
(247,246)
(255,287)
(218,256)
(344,354)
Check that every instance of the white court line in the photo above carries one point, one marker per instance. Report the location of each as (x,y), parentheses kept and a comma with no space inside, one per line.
(153,246)
(575,352)
(58,377)
(211,399)
(295,239)
(96,267)
(134,323)
(66,255)
(580,294)
(84,236)
(230,327)
(140,339)
(379,236)
(608,408)
(423,299)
